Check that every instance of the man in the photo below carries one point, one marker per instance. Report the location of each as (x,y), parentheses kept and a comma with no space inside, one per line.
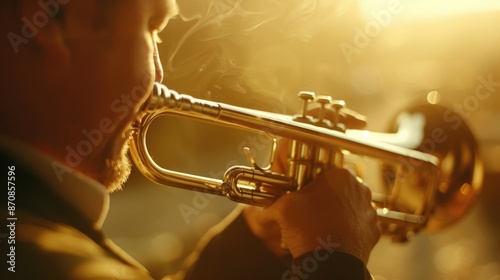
(74,76)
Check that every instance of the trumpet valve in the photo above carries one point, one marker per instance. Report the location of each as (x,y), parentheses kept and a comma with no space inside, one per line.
(338,105)
(323,101)
(306,97)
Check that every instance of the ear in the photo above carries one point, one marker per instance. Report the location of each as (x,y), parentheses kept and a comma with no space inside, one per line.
(43,21)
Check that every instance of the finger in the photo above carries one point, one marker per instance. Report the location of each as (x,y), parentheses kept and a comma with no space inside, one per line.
(342,181)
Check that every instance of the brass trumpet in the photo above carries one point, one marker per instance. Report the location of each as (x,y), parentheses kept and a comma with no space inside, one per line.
(431,170)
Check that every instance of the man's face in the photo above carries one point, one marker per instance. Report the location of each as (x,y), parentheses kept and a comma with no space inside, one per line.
(80,71)
(116,63)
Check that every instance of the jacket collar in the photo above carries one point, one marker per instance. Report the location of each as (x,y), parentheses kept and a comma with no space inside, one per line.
(86,195)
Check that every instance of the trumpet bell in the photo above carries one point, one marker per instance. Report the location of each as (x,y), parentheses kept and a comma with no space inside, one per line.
(444,134)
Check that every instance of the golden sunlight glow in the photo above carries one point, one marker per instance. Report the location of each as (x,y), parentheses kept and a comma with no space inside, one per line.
(422,9)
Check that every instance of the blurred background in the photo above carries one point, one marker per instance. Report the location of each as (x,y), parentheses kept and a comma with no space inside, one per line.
(377,55)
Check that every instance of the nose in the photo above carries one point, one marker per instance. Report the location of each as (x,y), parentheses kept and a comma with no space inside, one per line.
(158,66)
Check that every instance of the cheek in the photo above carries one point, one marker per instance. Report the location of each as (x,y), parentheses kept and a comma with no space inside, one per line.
(135,68)
(144,66)
(124,79)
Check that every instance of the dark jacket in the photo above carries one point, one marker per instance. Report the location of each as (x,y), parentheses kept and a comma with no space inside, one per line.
(54,241)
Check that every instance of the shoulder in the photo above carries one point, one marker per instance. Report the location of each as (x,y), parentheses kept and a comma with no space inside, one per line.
(49,250)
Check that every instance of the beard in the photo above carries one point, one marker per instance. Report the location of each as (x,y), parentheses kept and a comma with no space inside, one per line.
(117,169)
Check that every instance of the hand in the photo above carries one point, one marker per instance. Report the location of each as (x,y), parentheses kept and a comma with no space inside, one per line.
(334,208)
(332,212)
